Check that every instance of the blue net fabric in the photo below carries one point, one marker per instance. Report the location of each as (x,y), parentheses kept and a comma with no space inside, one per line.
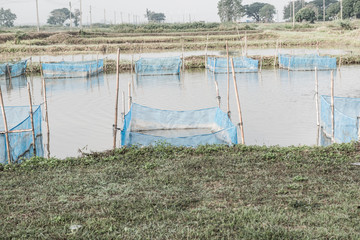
(306,62)
(158,66)
(346,112)
(72,69)
(16,69)
(241,64)
(18,118)
(148,126)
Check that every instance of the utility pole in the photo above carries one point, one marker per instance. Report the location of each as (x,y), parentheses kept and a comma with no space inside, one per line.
(293,13)
(341,9)
(81,27)
(324,10)
(70,16)
(37,16)
(121,17)
(114,17)
(104,16)
(90,17)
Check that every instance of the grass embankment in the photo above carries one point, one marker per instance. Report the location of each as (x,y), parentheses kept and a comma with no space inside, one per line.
(240,192)
(133,38)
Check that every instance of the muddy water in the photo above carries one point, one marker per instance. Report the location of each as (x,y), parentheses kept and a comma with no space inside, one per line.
(278,106)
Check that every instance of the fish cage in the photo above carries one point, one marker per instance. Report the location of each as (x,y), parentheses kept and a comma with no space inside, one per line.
(72,69)
(13,69)
(346,118)
(241,64)
(20,134)
(158,66)
(146,126)
(306,62)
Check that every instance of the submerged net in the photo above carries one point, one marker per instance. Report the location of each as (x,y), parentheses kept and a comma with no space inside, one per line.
(15,69)
(306,62)
(148,126)
(18,118)
(158,66)
(72,69)
(241,64)
(346,112)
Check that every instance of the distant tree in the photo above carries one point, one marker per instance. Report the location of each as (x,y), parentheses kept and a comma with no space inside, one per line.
(351,8)
(154,17)
(230,10)
(288,9)
(319,6)
(306,14)
(267,13)
(7,18)
(333,10)
(253,10)
(58,16)
(76,16)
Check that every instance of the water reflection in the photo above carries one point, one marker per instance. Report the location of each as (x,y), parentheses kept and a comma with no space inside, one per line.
(156,80)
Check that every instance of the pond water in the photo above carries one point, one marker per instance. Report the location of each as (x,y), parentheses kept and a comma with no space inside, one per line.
(278,106)
(136,56)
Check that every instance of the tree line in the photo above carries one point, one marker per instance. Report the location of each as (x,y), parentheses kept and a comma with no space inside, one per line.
(233,10)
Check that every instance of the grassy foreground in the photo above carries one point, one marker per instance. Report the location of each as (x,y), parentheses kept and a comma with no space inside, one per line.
(163,192)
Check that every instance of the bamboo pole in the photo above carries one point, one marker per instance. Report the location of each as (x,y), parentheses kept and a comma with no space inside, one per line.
(183,59)
(8,69)
(332,108)
(340,61)
(117,96)
(17,131)
(317,48)
(261,62)
(217,93)
(228,79)
(123,106)
(238,103)
(246,50)
(206,50)
(6,128)
(214,66)
(317,97)
(32,119)
(276,52)
(46,111)
(129,93)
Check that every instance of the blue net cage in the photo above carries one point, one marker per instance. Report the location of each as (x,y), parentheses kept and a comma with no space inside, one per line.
(306,62)
(241,64)
(13,69)
(21,143)
(158,66)
(146,126)
(72,69)
(346,113)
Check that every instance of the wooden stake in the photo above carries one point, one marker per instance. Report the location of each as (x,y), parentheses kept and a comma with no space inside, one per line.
(228,79)
(129,93)
(214,66)
(183,59)
(238,103)
(123,106)
(317,97)
(46,111)
(6,127)
(276,53)
(217,93)
(117,96)
(261,60)
(317,48)
(246,52)
(340,62)
(8,69)
(32,119)
(206,50)
(332,108)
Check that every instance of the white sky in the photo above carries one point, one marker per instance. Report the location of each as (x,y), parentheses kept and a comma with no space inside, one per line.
(175,11)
